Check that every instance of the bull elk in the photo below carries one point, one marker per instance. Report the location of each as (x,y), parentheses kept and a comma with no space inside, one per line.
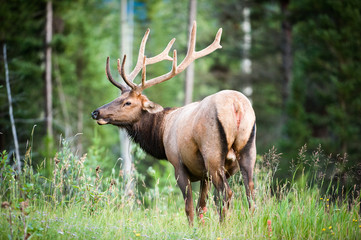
(206,141)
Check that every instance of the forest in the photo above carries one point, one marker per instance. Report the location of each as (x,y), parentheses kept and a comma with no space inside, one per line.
(298,62)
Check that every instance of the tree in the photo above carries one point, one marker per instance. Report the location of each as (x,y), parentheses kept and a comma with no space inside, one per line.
(126,48)
(23,34)
(48,68)
(286,48)
(189,80)
(13,127)
(325,102)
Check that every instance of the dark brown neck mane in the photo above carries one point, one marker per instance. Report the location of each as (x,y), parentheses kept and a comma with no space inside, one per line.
(148,133)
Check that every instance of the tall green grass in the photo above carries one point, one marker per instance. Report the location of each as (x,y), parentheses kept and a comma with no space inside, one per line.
(79,202)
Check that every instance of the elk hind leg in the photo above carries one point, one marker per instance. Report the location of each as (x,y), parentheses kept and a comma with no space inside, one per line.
(247,161)
(223,192)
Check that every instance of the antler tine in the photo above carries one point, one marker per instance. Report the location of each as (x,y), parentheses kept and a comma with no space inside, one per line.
(173,72)
(139,64)
(144,71)
(122,73)
(190,57)
(214,46)
(163,55)
(192,54)
(111,79)
(192,40)
(160,57)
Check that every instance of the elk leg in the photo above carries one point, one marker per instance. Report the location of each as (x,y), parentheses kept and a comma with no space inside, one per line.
(246,162)
(203,196)
(185,186)
(223,192)
(249,185)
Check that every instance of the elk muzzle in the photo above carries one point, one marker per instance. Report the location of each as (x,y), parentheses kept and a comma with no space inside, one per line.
(96,116)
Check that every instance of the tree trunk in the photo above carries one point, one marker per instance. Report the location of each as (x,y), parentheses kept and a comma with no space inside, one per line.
(126,45)
(286,51)
(80,102)
(246,63)
(79,125)
(48,83)
(62,98)
(189,80)
(13,128)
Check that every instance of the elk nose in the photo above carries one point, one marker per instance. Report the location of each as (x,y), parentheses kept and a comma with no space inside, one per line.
(95,114)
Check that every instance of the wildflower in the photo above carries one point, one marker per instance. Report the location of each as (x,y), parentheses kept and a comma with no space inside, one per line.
(269,228)
(201,218)
(204,209)
(321,198)
(137,234)
(327,199)
(327,205)
(323,229)
(218,238)
(359,226)
(330,227)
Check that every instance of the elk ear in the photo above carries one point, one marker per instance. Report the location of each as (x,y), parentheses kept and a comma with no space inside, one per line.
(152,107)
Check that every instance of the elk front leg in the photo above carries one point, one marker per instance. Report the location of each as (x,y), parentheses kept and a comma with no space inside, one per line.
(185,186)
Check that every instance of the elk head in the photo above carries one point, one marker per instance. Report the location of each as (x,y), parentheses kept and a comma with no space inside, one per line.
(128,108)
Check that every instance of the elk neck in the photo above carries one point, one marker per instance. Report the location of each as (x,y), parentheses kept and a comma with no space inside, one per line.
(148,132)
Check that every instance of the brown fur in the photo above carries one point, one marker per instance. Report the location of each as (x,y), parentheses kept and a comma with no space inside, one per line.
(205,141)
(148,133)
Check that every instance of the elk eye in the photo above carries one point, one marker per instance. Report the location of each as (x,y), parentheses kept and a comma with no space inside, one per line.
(127,103)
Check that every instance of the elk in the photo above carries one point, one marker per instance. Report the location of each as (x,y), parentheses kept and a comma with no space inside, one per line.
(206,141)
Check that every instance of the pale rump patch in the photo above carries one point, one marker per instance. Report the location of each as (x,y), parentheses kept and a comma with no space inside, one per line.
(237,114)
(231,155)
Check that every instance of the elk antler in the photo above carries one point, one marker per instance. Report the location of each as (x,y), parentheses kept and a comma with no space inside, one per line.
(139,66)
(111,79)
(189,58)
(176,69)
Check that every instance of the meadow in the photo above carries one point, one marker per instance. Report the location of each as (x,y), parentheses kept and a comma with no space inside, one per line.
(79,202)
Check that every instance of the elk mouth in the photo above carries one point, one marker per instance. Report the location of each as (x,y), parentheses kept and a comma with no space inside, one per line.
(102,121)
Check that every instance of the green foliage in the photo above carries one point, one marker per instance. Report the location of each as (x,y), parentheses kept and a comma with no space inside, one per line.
(79,202)
(323,108)
(6,175)
(324,105)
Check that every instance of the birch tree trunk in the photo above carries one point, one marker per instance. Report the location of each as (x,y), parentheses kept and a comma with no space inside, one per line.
(246,63)
(126,45)
(48,81)
(13,127)
(189,80)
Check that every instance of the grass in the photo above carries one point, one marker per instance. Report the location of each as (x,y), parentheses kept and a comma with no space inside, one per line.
(80,203)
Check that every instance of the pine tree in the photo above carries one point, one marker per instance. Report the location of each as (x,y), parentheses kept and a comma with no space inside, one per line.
(325,104)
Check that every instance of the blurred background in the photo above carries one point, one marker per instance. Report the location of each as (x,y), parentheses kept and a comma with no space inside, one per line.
(297,61)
